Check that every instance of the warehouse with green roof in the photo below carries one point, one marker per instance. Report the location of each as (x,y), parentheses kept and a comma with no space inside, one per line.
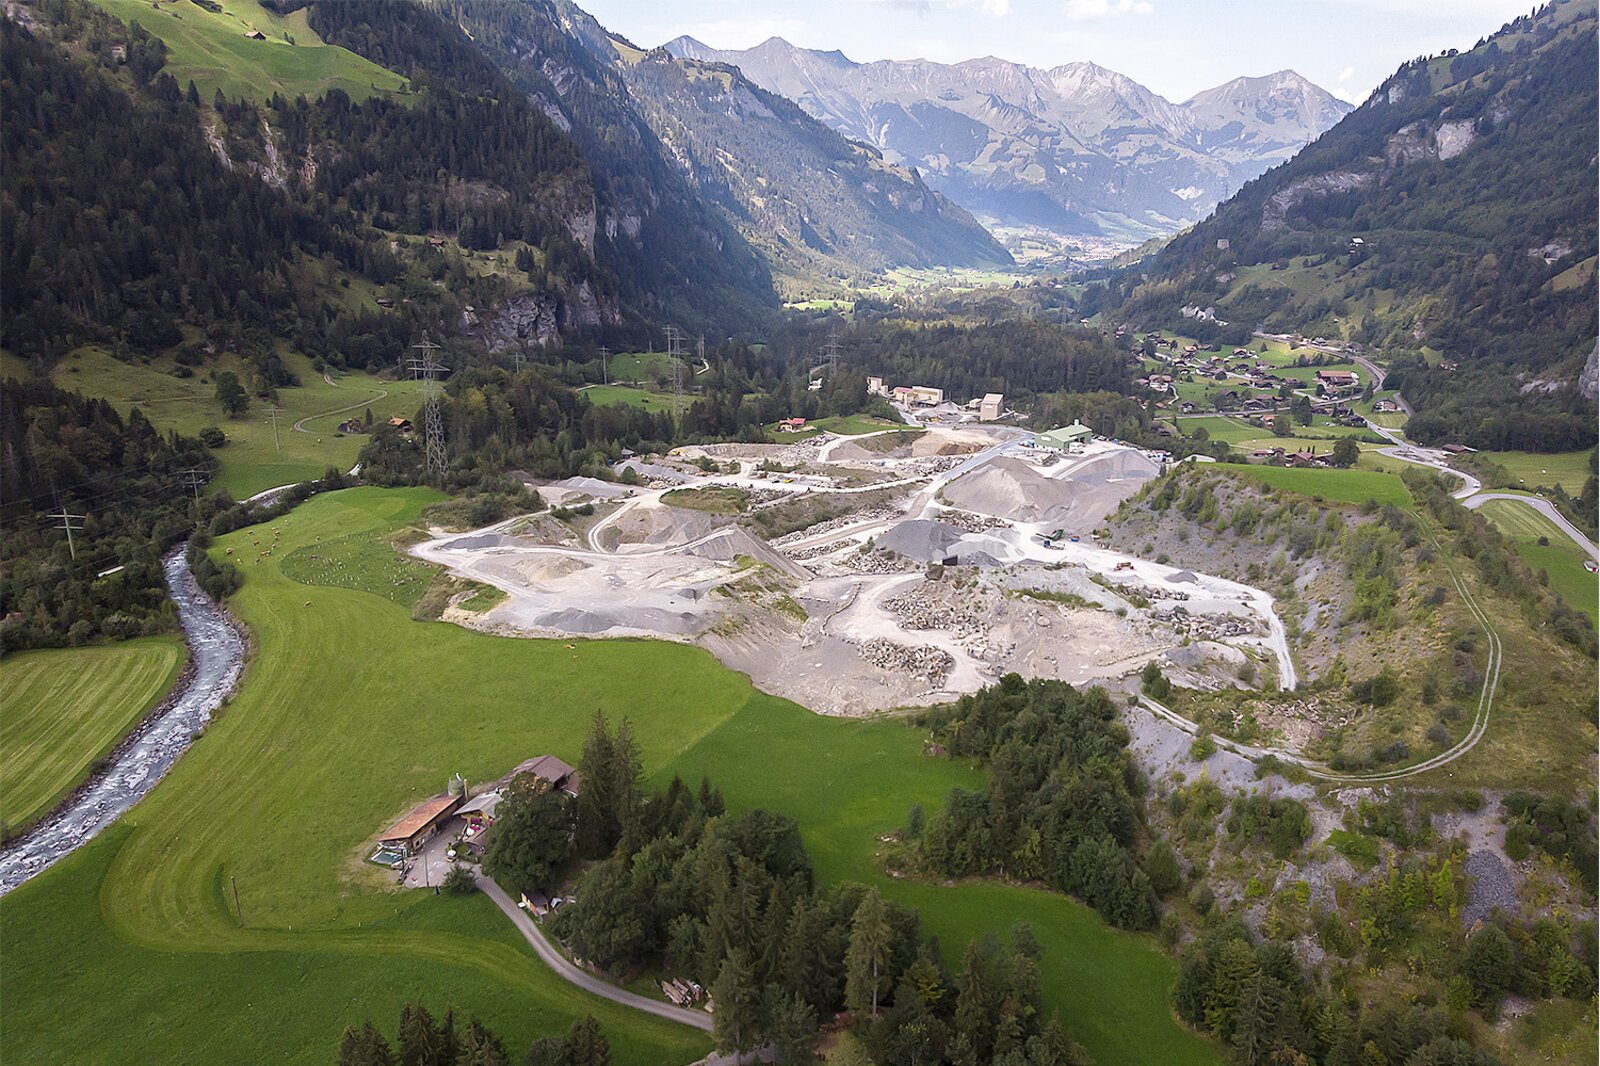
(1059,440)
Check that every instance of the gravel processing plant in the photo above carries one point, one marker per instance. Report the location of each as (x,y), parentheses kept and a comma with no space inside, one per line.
(862,573)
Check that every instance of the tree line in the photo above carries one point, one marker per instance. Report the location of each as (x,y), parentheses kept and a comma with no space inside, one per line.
(730,903)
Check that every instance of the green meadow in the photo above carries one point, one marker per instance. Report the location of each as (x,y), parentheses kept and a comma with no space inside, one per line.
(1338,486)
(1558,557)
(211,49)
(253,459)
(62,709)
(1535,469)
(629,396)
(282,795)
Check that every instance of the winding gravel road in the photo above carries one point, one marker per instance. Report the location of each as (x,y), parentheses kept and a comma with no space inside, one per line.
(216,657)
(1321,771)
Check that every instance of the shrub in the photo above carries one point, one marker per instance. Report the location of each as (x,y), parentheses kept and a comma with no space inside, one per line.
(460,882)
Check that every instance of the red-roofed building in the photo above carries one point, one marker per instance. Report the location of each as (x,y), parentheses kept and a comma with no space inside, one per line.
(420,823)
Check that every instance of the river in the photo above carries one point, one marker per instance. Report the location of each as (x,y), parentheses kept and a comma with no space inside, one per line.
(216,658)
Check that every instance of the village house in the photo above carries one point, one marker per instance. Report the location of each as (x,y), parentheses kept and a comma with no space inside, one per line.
(791,425)
(402,424)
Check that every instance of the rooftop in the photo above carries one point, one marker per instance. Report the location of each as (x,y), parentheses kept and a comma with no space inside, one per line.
(421,816)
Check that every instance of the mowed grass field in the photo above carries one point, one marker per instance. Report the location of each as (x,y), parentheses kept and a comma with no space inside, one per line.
(1339,486)
(629,396)
(1561,559)
(350,712)
(251,460)
(211,49)
(844,425)
(1566,469)
(62,709)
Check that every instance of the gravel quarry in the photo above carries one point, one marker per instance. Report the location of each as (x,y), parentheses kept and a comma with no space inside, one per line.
(899,573)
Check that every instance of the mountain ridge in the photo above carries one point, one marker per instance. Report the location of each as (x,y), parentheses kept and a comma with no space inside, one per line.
(1077,148)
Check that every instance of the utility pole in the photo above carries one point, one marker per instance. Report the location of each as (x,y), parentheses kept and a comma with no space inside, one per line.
(427,368)
(194,479)
(236,910)
(516,360)
(605,375)
(273,413)
(66,524)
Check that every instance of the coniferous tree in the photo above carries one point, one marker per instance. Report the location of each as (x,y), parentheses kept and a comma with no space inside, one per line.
(587,1044)
(736,1017)
(868,955)
(596,823)
(420,1043)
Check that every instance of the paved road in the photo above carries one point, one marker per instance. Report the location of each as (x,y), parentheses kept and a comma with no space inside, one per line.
(1546,508)
(569,972)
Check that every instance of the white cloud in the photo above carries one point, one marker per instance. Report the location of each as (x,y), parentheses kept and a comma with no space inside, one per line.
(1347,73)
(1089,10)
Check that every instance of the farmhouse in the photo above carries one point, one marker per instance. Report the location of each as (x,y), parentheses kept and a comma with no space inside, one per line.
(549,769)
(402,424)
(1060,440)
(1338,379)
(791,425)
(420,823)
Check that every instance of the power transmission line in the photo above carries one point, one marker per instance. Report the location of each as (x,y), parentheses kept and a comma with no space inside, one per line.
(605,375)
(675,339)
(66,524)
(273,413)
(427,368)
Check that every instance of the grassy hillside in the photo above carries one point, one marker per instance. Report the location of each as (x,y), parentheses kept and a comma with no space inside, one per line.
(1557,556)
(63,709)
(210,48)
(311,759)
(251,460)
(1339,486)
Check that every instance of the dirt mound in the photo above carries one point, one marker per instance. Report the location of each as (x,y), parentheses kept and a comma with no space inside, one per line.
(949,442)
(1011,489)
(736,542)
(661,526)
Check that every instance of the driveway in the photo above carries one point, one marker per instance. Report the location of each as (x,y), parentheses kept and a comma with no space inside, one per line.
(569,972)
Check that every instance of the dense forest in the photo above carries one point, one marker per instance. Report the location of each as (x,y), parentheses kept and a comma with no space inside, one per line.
(128,486)
(1454,211)
(729,903)
(1061,802)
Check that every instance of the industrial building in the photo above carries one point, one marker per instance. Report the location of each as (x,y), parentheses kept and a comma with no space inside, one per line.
(990,407)
(1060,440)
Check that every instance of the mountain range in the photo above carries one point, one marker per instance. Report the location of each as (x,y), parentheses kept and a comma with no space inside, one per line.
(1077,149)
(816,204)
(1447,224)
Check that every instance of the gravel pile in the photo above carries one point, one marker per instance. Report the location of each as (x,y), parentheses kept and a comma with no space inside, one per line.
(921,539)
(931,663)
(1201,627)
(1491,887)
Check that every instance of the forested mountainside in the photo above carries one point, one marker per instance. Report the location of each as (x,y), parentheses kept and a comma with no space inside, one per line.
(1447,224)
(815,204)
(1076,149)
(135,206)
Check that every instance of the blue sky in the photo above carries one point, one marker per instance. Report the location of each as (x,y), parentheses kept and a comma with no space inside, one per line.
(1176,47)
